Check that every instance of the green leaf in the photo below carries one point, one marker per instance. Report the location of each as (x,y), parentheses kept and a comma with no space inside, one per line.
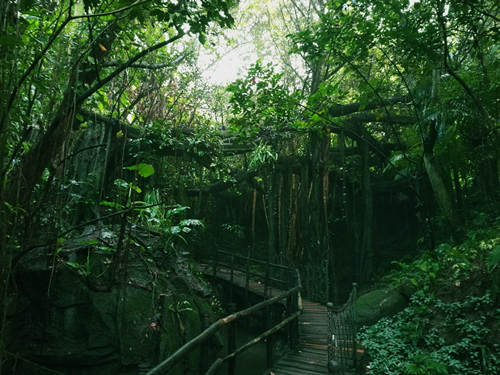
(174,229)
(120,183)
(136,188)
(144,170)
(110,204)
(191,222)
(74,265)
(9,206)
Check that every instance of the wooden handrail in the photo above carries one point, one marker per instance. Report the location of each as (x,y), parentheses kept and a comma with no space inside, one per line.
(211,330)
(292,295)
(217,363)
(274,265)
(229,263)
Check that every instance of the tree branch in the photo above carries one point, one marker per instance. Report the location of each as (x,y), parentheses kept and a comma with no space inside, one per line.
(111,12)
(448,68)
(338,110)
(223,185)
(178,60)
(363,117)
(28,71)
(124,66)
(484,13)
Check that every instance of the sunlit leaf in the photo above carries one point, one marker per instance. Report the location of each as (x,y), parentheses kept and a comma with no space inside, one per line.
(144,170)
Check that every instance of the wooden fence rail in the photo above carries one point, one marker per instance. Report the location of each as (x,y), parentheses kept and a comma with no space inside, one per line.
(253,268)
(291,280)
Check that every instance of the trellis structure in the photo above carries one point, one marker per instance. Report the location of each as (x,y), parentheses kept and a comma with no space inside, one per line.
(342,348)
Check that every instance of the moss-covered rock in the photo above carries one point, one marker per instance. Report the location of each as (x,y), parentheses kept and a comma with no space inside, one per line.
(69,320)
(372,306)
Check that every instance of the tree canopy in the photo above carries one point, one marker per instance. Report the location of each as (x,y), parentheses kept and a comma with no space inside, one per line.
(362,130)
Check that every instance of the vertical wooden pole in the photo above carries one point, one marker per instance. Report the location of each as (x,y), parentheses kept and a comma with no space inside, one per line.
(247,280)
(290,310)
(231,342)
(295,308)
(266,281)
(290,326)
(214,264)
(232,268)
(330,335)
(354,326)
(204,359)
(231,281)
(269,340)
(294,326)
(254,206)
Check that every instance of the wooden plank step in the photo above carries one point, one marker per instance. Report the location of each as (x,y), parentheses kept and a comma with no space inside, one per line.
(311,356)
(294,362)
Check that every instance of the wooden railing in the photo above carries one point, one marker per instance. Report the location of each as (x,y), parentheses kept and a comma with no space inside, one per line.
(290,286)
(267,274)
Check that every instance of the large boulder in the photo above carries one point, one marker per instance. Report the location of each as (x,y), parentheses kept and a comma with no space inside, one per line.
(372,306)
(68,318)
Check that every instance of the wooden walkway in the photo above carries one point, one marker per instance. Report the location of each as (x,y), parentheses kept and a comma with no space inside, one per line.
(311,355)
(239,279)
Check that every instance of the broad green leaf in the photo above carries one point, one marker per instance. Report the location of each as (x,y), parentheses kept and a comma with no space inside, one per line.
(144,170)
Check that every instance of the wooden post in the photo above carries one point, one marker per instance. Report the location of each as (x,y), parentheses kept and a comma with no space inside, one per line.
(295,308)
(231,342)
(354,327)
(289,311)
(269,340)
(247,280)
(203,347)
(266,281)
(231,278)
(179,354)
(294,326)
(232,268)
(214,265)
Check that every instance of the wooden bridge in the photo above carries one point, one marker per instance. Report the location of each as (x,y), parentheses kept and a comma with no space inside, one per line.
(306,322)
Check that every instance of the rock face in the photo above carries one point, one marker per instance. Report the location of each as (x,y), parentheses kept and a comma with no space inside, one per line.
(372,306)
(66,321)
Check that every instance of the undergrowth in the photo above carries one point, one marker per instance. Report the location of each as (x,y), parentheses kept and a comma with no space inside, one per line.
(450,326)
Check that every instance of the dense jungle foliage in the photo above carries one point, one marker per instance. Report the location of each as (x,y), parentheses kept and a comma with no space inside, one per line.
(362,141)
(451,323)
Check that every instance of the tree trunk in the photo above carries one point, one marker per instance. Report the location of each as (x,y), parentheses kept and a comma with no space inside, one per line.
(315,230)
(291,245)
(441,193)
(272,216)
(365,259)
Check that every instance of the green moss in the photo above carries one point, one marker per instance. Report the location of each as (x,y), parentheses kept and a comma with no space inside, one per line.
(376,304)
